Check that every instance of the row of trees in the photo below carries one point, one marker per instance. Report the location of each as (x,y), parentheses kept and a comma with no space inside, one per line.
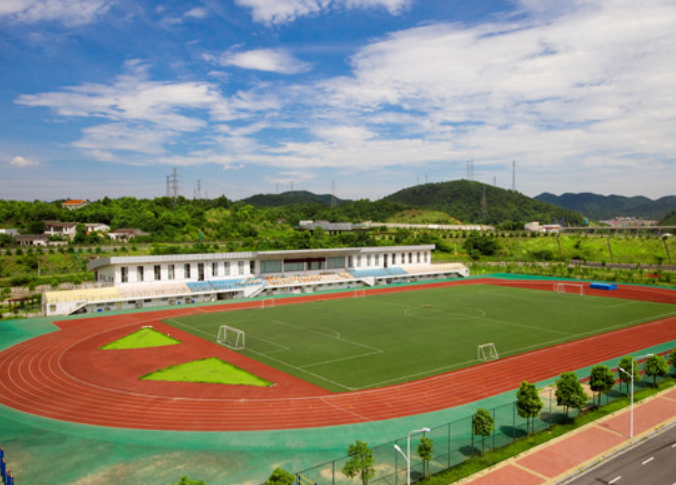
(569,393)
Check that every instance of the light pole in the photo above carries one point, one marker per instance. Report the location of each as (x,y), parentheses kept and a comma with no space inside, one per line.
(631,375)
(407,455)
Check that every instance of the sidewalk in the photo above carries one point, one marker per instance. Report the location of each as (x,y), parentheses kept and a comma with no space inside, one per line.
(553,461)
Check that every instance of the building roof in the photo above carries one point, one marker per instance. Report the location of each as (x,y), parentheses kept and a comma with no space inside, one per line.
(74,202)
(60,224)
(296,253)
(32,237)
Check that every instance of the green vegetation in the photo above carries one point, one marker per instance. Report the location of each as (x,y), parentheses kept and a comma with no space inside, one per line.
(478,463)
(279,476)
(360,462)
(669,220)
(141,339)
(293,197)
(601,207)
(483,425)
(569,392)
(462,199)
(421,216)
(208,371)
(444,325)
(425,451)
(188,481)
(656,366)
(601,381)
(528,403)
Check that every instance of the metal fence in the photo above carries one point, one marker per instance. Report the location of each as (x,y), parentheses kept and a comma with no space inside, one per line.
(454,442)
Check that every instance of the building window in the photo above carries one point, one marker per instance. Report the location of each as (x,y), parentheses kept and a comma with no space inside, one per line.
(418,256)
(124,274)
(410,258)
(170,271)
(368,260)
(186,271)
(377,259)
(214,269)
(240,267)
(226,268)
(158,272)
(139,272)
(358,260)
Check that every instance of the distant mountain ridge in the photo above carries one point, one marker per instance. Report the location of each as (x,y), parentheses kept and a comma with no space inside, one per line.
(600,207)
(463,200)
(290,198)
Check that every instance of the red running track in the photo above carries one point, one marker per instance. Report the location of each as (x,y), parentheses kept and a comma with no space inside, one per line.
(62,376)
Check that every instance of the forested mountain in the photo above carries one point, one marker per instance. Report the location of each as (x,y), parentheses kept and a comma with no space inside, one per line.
(290,198)
(601,207)
(463,200)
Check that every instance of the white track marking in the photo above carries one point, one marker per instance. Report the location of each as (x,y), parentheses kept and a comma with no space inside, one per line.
(648,460)
(614,480)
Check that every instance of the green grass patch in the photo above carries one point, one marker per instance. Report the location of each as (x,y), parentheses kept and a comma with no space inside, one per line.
(379,340)
(207,371)
(142,339)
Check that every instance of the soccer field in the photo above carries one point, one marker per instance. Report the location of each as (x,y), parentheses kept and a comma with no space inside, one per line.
(373,341)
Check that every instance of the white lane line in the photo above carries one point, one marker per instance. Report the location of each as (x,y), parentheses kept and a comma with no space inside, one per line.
(648,460)
(674,445)
(614,480)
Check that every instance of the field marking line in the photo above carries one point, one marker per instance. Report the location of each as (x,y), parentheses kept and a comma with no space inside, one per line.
(376,352)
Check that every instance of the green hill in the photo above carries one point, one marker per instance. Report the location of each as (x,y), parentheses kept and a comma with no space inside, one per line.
(291,198)
(463,200)
(670,220)
(601,207)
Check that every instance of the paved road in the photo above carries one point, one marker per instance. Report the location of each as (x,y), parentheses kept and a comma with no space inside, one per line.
(653,462)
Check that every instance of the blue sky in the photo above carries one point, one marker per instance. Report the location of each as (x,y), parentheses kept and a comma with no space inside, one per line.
(105,97)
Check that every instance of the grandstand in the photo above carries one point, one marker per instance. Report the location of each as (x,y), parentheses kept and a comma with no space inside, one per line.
(151,281)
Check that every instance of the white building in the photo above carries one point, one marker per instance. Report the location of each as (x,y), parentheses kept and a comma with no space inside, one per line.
(141,281)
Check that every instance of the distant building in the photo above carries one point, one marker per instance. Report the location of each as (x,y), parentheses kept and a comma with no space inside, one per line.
(32,239)
(126,234)
(58,228)
(96,227)
(10,232)
(330,227)
(542,229)
(74,204)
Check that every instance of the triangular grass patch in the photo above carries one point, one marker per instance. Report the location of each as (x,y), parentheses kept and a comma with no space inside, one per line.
(142,339)
(207,371)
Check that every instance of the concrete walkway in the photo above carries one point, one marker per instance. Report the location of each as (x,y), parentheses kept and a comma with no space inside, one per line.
(567,455)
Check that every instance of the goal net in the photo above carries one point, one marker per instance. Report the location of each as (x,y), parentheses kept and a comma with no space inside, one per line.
(486,352)
(269,303)
(574,288)
(359,293)
(231,338)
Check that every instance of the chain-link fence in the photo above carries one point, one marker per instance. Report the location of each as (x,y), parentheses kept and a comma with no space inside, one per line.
(453,442)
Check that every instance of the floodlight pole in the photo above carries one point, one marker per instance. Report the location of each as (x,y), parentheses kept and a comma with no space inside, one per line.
(407,455)
(631,375)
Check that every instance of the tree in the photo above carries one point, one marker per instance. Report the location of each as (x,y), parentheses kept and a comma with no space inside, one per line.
(360,462)
(187,481)
(528,403)
(656,366)
(569,392)
(425,452)
(629,365)
(483,425)
(280,477)
(672,359)
(601,380)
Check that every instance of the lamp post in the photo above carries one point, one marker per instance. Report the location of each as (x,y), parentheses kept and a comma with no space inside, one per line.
(407,455)
(631,375)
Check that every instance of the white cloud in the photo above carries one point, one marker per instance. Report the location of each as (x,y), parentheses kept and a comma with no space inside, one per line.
(68,12)
(270,60)
(283,11)
(21,162)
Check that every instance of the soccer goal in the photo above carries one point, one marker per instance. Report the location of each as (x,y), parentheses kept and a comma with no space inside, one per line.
(359,293)
(268,303)
(486,352)
(574,288)
(231,338)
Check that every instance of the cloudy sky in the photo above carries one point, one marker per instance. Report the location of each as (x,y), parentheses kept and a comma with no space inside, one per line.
(106,97)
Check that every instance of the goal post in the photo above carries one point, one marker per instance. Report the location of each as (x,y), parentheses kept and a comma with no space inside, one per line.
(268,303)
(231,337)
(486,352)
(574,288)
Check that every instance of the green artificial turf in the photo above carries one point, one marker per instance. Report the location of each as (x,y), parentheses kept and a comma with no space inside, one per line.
(211,371)
(142,339)
(360,343)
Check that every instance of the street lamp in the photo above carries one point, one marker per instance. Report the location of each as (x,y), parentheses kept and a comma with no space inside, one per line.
(407,455)
(631,375)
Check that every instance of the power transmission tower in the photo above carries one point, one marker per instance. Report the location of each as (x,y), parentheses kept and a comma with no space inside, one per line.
(333,193)
(484,206)
(173,182)
(198,191)
(470,169)
(514,175)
